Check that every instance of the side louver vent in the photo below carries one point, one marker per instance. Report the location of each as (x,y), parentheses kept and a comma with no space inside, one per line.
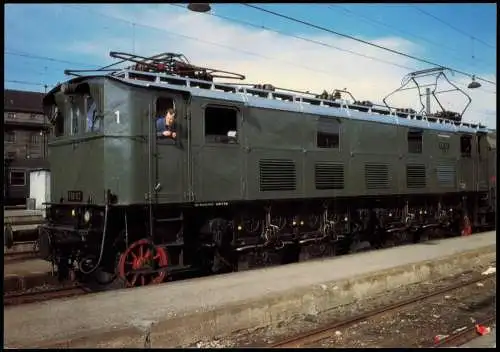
(277,175)
(446,174)
(377,176)
(415,176)
(329,175)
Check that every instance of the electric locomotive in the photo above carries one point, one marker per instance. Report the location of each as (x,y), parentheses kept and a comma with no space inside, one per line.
(257,175)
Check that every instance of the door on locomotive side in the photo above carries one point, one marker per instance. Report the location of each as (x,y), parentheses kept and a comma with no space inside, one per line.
(217,150)
(482,162)
(169,150)
(467,167)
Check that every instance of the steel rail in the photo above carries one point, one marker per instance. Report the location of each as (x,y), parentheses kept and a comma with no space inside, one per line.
(462,337)
(326,331)
(18,298)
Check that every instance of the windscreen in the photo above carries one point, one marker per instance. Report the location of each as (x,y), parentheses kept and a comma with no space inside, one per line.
(76,110)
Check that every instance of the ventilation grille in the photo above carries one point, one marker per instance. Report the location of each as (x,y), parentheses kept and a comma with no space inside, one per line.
(415,176)
(377,176)
(329,176)
(446,175)
(277,175)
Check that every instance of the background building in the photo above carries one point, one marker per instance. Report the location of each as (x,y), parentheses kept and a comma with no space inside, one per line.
(26,130)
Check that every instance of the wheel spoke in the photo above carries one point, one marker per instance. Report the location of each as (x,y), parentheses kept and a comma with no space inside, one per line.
(141,251)
(146,256)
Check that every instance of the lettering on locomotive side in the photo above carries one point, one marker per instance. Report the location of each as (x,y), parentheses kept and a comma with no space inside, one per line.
(212,204)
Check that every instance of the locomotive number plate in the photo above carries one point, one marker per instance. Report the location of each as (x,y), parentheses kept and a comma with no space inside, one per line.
(75,196)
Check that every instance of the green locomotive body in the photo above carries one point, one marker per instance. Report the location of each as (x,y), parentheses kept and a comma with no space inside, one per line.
(255,174)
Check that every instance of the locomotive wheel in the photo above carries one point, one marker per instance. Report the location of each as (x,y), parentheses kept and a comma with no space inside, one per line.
(142,256)
(402,237)
(317,250)
(424,236)
(389,241)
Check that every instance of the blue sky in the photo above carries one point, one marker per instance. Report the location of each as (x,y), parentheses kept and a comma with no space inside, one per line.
(82,35)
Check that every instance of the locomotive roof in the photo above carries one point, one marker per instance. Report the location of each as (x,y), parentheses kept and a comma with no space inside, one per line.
(283,100)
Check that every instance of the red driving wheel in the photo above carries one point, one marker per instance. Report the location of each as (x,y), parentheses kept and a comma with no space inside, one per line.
(138,264)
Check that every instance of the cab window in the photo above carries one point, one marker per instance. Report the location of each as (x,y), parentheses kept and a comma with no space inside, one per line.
(93,119)
(57,117)
(77,111)
(415,141)
(221,124)
(328,133)
(466,146)
(94,108)
(165,119)
(76,115)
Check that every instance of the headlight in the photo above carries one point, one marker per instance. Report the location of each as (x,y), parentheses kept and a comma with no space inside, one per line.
(73,212)
(86,216)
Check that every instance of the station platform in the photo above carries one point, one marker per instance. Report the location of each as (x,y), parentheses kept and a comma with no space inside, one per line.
(24,224)
(172,314)
(22,216)
(27,267)
(21,212)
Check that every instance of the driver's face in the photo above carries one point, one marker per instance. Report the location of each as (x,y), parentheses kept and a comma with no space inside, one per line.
(170,118)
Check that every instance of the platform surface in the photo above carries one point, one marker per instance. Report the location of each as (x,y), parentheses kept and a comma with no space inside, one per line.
(56,320)
(21,213)
(28,267)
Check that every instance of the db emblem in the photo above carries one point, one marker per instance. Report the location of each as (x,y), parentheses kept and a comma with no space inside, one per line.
(444,146)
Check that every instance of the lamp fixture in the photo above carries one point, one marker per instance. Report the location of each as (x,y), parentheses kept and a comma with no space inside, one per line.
(199,7)
(474,84)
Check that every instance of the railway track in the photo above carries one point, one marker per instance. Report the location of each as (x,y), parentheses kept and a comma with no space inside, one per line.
(18,298)
(464,336)
(325,332)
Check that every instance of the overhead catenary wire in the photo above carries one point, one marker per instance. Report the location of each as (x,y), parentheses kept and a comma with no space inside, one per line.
(301,38)
(196,39)
(252,53)
(380,23)
(52,59)
(310,41)
(39,57)
(223,17)
(46,58)
(30,83)
(452,27)
(312,25)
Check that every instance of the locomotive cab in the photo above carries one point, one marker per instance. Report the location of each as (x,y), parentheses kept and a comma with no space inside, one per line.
(108,159)
(76,152)
(76,147)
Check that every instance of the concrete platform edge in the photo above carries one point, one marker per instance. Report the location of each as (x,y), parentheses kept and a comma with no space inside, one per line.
(192,326)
